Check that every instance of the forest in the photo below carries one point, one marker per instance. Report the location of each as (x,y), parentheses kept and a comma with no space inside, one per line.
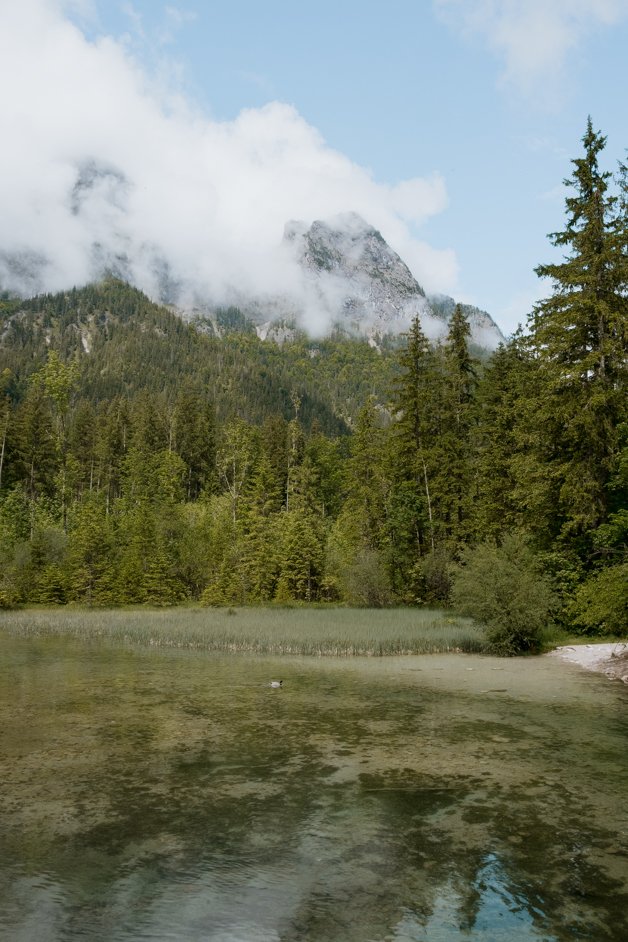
(144,461)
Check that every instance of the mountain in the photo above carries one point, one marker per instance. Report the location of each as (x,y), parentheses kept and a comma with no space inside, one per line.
(336,275)
(353,282)
(125,344)
(374,291)
(357,276)
(485,333)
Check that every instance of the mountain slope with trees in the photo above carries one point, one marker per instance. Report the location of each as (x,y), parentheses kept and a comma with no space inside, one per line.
(144,462)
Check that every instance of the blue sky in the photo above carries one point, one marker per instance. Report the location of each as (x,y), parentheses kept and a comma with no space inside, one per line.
(484,101)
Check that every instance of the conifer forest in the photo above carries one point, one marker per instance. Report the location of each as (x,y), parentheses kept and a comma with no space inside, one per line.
(144,460)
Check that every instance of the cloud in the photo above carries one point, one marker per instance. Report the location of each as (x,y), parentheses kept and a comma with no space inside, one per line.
(99,168)
(533,38)
(416,200)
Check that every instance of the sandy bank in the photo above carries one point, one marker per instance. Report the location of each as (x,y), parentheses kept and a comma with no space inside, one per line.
(610,659)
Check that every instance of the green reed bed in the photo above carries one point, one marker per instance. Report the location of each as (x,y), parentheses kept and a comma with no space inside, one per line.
(304,631)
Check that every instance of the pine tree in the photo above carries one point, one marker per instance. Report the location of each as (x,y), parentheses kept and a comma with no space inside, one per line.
(300,557)
(580,335)
(194,440)
(235,459)
(457,488)
(6,413)
(111,447)
(81,458)
(366,476)
(59,381)
(499,445)
(416,404)
(90,563)
(33,440)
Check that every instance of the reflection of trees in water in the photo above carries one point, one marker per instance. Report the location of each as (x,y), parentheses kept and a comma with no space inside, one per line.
(445,851)
(195,808)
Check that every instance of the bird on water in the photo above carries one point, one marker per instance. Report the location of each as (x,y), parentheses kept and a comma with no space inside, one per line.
(276,683)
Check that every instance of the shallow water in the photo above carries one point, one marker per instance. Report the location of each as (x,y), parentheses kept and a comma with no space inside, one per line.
(150,795)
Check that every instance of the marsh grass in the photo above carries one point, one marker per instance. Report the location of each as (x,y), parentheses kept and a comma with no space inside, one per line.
(336,632)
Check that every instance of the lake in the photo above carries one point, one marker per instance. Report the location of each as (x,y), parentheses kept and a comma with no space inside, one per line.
(155,794)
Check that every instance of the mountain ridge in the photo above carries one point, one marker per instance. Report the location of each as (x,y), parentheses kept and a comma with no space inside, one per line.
(352,282)
(343,276)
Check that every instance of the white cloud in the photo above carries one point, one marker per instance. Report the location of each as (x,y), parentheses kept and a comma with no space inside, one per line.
(99,167)
(416,200)
(533,38)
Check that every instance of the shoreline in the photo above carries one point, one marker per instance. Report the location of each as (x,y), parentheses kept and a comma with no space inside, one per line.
(610,659)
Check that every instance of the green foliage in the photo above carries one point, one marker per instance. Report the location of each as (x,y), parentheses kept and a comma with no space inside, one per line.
(365,581)
(91,557)
(580,335)
(145,460)
(600,605)
(502,462)
(118,341)
(432,578)
(502,587)
(300,558)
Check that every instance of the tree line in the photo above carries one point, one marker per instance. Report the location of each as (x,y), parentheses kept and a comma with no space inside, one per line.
(152,496)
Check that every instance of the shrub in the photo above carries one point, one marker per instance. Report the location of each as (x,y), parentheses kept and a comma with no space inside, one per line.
(600,605)
(503,587)
(366,583)
(432,579)
(6,599)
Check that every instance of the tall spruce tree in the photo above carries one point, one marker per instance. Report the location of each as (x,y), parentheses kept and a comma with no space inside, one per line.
(457,487)
(5,416)
(417,410)
(580,336)
(499,449)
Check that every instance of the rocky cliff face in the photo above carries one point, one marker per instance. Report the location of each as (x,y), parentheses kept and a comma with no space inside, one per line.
(336,274)
(351,271)
(484,331)
(358,278)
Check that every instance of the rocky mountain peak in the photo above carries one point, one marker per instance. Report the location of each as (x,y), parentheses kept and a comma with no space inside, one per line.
(365,284)
(356,276)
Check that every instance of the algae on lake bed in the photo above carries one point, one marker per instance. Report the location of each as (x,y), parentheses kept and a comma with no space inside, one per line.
(171,795)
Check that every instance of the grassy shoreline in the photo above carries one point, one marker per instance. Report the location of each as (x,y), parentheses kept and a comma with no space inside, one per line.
(336,632)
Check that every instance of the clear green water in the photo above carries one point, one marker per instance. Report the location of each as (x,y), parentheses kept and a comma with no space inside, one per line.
(150,795)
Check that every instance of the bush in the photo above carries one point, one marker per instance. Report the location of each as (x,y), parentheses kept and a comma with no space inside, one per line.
(503,587)
(600,605)
(7,601)
(432,579)
(366,584)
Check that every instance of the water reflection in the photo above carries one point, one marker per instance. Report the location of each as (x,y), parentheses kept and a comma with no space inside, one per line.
(171,796)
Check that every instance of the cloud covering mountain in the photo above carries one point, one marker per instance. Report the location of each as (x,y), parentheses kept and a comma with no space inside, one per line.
(103,169)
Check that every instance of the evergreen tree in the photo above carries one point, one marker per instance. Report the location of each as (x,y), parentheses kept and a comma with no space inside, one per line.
(295,451)
(34,442)
(6,413)
(194,440)
(90,563)
(136,532)
(417,406)
(111,447)
(81,460)
(456,484)
(580,337)
(326,457)
(235,459)
(367,485)
(300,558)
(500,447)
